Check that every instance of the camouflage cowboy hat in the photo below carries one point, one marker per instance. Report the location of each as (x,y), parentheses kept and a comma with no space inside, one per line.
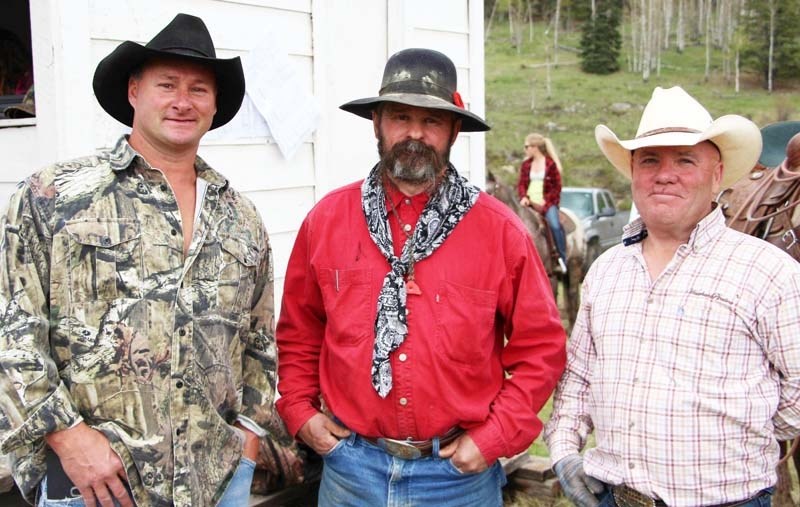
(185,37)
(421,78)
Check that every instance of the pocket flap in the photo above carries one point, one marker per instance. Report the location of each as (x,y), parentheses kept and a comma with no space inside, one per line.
(246,253)
(103,233)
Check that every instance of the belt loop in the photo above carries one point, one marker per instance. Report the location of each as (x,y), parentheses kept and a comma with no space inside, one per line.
(351,440)
(435,451)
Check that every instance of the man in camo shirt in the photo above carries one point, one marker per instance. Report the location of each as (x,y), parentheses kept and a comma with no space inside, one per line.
(137,354)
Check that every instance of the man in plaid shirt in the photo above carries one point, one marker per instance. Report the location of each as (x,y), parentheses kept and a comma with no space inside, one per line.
(685,359)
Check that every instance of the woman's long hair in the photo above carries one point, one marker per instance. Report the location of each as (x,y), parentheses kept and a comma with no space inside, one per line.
(545,145)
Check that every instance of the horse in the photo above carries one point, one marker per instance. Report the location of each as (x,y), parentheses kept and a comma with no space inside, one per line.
(576,247)
(765,204)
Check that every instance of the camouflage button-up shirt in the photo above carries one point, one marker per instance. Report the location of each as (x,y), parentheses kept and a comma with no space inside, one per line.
(103,318)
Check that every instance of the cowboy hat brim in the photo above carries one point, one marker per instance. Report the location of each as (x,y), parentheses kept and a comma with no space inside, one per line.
(737,138)
(110,81)
(364,107)
(775,137)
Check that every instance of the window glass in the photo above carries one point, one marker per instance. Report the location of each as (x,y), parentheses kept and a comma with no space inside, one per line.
(16,64)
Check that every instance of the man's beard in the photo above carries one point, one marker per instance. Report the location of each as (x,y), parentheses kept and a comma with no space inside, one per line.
(413,161)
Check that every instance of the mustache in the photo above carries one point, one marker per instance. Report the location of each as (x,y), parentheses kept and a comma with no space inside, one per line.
(412,161)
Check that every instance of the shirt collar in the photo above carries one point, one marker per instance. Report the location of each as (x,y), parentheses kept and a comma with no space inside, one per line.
(122,155)
(704,232)
(394,197)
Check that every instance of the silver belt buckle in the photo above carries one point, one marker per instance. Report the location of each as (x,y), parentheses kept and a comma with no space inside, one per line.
(399,448)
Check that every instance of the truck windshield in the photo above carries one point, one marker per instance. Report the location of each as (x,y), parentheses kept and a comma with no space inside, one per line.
(579,202)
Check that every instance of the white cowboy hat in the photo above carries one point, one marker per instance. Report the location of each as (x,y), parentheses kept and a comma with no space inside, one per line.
(675,118)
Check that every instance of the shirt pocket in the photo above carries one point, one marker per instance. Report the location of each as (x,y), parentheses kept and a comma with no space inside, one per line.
(349,304)
(103,259)
(238,262)
(465,320)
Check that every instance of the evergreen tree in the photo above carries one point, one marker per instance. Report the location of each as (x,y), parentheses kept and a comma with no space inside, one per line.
(600,39)
(786,50)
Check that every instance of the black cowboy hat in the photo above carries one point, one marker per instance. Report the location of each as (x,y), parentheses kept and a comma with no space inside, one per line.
(775,137)
(421,78)
(185,37)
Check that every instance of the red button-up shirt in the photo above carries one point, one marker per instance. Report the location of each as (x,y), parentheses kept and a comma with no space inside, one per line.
(484,284)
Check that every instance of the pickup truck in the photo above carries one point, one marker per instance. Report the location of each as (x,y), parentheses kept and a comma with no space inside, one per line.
(602,222)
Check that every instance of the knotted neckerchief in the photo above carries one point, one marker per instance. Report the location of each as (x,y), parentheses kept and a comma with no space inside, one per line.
(444,210)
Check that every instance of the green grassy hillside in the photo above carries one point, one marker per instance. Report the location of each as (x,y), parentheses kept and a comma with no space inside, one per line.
(578,102)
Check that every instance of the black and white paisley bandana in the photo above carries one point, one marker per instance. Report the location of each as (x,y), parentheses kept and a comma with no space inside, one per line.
(447,206)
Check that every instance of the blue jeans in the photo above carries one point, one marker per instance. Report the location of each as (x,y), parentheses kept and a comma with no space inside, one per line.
(236,495)
(357,473)
(764,499)
(551,215)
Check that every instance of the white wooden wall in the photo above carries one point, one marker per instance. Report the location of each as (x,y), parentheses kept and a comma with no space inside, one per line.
(338,46)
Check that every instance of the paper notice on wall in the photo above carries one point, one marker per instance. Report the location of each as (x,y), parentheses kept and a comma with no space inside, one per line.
(247,124)
(277,90)
(277,103)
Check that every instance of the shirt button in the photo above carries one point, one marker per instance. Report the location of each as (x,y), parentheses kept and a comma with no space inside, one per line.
(407,227)
(173,232)
(179,384)
(631,465)
(402,357)
(649,301)
(403,401)
(163,187)
(630,424)
(407,201)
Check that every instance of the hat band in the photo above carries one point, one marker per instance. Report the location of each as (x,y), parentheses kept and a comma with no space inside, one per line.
(183,51)
(420,87)
(667,130)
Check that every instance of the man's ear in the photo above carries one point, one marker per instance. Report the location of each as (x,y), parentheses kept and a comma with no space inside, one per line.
(456,130)
(717,172)
(376,122)
(133,91)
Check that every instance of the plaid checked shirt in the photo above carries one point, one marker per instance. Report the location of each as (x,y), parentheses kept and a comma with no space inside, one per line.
(687,380)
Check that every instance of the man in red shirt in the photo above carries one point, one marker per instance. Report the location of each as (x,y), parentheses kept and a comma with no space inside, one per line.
(418,336)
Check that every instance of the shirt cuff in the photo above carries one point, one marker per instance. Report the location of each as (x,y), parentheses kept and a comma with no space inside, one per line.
(57,413)
(251,425)
(561,448)
(489,442)
(295,416)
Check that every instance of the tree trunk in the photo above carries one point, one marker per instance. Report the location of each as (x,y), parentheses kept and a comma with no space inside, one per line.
(645,42)
(530,21)
(737,70)
(680,41)
(708,41)
(555,35)
(489,23)
(667,23)
(772,9)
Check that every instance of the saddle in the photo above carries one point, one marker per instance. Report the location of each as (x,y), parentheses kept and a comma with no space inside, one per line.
(764,205)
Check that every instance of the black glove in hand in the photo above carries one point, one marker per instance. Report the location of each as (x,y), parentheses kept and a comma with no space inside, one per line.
(579,487)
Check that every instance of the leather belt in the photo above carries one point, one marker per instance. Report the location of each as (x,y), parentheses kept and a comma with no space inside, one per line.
(627,497)
(413,449)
